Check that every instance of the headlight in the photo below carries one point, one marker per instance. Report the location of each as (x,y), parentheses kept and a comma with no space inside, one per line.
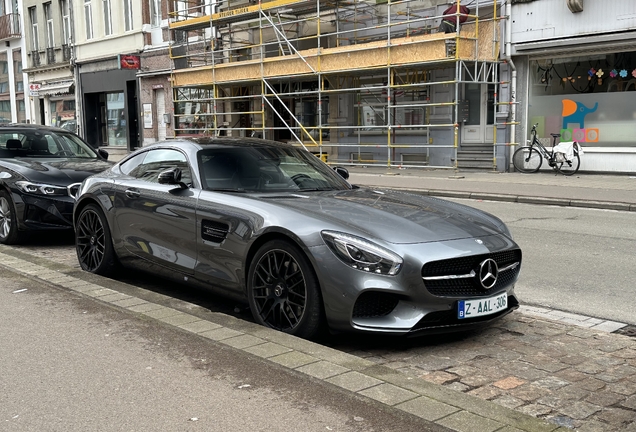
(41,189)
(361,254)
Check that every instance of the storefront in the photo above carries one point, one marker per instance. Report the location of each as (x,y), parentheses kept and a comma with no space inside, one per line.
(109,98)
(589,99)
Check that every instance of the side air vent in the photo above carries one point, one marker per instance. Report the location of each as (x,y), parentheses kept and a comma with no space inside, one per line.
(213,231)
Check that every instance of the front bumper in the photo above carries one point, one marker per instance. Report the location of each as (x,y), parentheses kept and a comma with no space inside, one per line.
(44,213)
(403,304)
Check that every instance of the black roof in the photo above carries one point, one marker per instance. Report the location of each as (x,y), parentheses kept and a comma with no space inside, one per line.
(31,127)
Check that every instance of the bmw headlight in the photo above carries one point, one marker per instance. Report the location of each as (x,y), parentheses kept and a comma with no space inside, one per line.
(41,189)
(362,254)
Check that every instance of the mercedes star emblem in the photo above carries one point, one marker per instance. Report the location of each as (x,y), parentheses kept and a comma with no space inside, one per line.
(488,272)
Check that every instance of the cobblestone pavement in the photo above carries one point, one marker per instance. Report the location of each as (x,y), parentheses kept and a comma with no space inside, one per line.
(573,376)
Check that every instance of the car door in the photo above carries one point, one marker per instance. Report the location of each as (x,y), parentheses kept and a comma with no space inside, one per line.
(158,221)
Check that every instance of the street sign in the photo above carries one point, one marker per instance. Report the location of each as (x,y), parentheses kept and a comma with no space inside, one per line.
(34,90)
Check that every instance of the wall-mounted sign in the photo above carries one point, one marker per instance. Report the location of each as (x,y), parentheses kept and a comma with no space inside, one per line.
(147,115)
(34,90)
(157,86)
(129,61)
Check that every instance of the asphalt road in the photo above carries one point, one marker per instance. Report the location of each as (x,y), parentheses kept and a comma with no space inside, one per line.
(72,364)
(574,259)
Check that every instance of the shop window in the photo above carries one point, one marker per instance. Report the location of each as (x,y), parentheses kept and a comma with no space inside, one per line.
(589,99)
(68,105)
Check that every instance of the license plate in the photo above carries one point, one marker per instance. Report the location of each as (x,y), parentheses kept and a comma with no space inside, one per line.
(481,307)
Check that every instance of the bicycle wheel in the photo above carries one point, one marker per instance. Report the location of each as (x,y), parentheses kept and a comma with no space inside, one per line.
(527,159)
(570,167)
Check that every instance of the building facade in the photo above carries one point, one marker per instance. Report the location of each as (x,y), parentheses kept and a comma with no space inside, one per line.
(108,43)
(13,55)
(49,65)
(576,66)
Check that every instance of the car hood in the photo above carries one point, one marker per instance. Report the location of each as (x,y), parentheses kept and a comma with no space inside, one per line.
(56,171)
(393,216)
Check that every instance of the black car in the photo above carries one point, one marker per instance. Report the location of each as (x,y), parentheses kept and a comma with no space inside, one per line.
(40,168)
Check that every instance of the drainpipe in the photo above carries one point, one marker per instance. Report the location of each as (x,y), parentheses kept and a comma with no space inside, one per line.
(513,77)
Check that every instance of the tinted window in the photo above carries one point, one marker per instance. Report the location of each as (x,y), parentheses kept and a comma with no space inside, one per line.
(43,143)
(132,163)
(159,160)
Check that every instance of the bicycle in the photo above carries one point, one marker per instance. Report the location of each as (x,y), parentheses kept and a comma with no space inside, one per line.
(528,159)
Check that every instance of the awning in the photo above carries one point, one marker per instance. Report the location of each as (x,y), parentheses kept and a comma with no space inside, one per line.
(57,88)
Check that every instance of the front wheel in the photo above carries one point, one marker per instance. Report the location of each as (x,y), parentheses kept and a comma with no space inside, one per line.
(9,233)
(283,290)
(93,242)
(570,167)
(527,159)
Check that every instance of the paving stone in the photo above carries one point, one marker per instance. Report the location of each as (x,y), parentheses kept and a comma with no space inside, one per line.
(476,380)
(630,402)
(616,416)
(528,392)
(591,384)
(464,421)
(561,420)
(626,353)
(626,388)
(354,381)
(509,383)
(591,368)
(573,359)
(580,410)
(508,401)
(162,312)
(595,426)
(457,386)
(322,369)
(551,383)
(243,341)
(439,377)
(582,334)
(486,392)
(463,370)
(132,301)
(179,319)
(427,408)
(609,326)
(220,333)
(268,349)
(145,307)
(571,375)
(552,401)
(535,409)
(571,392)
(604,398)
(200,326)
(294,359)
(389,394)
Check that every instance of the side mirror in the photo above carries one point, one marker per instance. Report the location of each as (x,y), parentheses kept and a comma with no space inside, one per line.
(103,153)
(342,171)
(171,176)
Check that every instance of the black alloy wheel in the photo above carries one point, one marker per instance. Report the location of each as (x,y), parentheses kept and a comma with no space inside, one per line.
(283,290)
(9,233)
(94,245)
(527,160)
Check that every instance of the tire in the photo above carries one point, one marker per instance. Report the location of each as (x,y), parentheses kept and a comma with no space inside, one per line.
(93,243)
(283,290)
(9,233)
(571,167)
(527,160)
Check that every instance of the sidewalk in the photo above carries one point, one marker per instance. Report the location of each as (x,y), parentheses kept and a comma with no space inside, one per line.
(617,192)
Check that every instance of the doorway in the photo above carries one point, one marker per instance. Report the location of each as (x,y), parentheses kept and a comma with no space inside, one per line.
(478,128)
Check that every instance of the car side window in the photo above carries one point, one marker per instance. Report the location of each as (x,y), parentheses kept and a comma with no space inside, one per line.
(131,164)
(159,160)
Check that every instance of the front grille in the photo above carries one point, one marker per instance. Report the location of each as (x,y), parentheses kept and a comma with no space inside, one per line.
(374,304)
(469,287)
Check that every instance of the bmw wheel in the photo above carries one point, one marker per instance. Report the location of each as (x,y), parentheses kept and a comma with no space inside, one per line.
(9,233)
(283,290)
(93,243)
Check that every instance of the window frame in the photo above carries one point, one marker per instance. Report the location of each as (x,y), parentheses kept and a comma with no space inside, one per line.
(33,17)
(65,12)
(50,32)
(108,21)
(155,13)
(88,18)
(128,15)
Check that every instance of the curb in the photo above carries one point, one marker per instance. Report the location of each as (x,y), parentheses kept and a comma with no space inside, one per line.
(431,402)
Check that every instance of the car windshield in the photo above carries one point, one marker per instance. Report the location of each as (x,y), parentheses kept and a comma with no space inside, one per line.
(266,169)
(43,144)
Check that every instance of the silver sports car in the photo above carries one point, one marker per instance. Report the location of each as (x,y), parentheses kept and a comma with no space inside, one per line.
(272,224)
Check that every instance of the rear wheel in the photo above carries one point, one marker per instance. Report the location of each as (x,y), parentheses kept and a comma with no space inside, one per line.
(283,290)
(570,167)
(93,242)
(527,159)
(9,233)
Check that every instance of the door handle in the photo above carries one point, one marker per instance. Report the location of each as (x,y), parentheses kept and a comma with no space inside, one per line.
(133,193)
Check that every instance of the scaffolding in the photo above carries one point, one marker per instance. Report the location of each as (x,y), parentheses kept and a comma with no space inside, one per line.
(355,82)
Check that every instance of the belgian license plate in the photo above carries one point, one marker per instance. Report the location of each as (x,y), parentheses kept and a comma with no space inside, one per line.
(481,307)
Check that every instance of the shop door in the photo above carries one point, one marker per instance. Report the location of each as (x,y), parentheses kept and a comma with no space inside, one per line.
(161,110)
(479,126)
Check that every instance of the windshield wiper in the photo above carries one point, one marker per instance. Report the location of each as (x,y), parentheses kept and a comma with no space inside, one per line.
(315,189)
(227,190)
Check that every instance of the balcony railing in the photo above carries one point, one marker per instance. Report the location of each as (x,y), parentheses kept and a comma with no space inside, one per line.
(67,52)
(50,55)
(10,27)
(35,58)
